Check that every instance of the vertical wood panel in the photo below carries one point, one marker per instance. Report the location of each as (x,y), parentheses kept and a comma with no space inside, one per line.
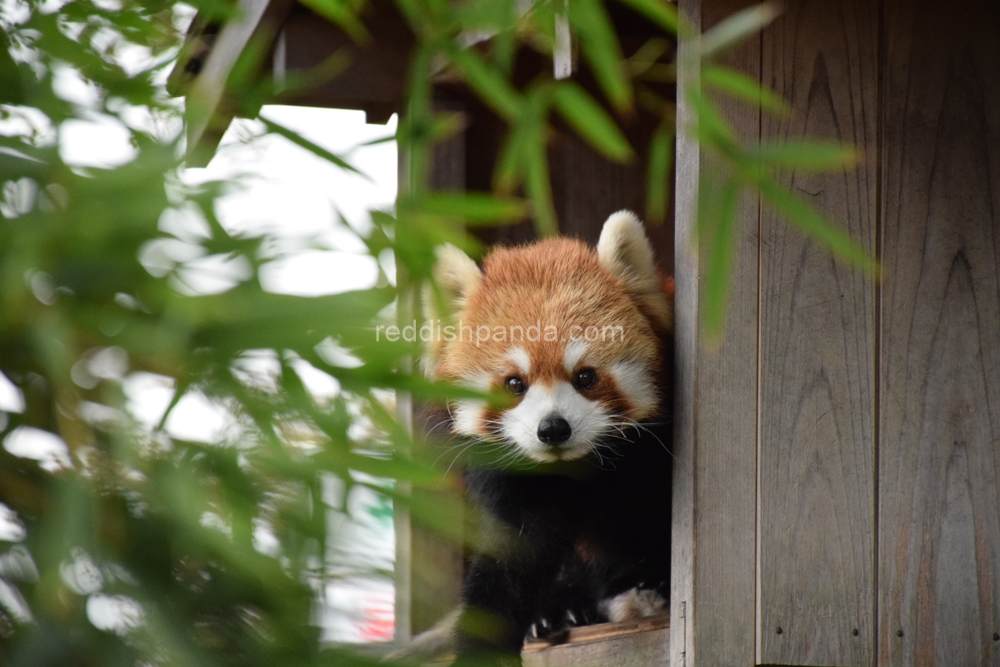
(712,592)
(939,576)
(816,498)
(587,188)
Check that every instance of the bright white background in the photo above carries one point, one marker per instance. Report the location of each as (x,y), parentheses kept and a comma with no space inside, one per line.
(316,211)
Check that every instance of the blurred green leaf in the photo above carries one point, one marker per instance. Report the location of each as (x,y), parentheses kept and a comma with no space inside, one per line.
(710,127)
(741,86)
(510,168)
(302,142)
(491,15)
(736,28)
(660,12)
(471,207)
(717,234)
(806,155)
(490,84)
(599,45)
(591,121)
(658,169)
(810,221)
(540,190)
(343,13)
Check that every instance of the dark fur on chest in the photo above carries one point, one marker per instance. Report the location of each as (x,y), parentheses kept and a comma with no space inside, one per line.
(560,538)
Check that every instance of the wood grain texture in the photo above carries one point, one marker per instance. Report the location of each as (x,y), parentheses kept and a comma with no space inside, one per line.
(649,647)
(816,531)
(208,108)
(587,188)
(374,79)
(600,631)
(939,576)
(712,592)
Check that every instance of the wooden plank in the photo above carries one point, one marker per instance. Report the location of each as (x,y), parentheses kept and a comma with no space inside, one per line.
(372,76)
(939,553)
(601,631)
(816,530)
(644,643)
(587,188)
(712,592)
(206,113)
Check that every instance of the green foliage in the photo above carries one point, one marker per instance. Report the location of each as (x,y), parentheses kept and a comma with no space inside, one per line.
(96,289)
(748,166)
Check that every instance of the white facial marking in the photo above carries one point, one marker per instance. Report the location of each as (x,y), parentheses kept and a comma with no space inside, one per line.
(520,358)
(575,350)
(467,413)
(587,419)
(467,416)
(635,382)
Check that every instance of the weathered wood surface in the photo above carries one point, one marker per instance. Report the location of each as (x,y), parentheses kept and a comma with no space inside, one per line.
(208,110)
(586,187)
(816,531)
(712,592)
(643,643)
(372,76)
(939,577)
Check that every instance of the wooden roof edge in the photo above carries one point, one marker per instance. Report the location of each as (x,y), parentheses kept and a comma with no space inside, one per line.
(208,57)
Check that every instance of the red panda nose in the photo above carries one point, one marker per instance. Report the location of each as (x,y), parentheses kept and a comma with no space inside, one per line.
(554,430)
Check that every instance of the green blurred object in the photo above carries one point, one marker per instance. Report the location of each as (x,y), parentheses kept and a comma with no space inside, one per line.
(159,530)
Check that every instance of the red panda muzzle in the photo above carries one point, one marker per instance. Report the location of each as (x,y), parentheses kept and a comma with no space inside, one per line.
(554,430)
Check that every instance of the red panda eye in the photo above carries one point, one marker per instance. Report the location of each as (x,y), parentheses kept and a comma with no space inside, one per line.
(515,385)
(585,378)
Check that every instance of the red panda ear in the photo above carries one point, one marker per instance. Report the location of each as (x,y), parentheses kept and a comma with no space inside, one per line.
(625,252)
(455,277)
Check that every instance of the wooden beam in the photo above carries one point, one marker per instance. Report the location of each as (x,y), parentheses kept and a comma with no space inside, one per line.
(207,114)
(816,502)
(344,74)
(939,505)
(642,643)
(715,432)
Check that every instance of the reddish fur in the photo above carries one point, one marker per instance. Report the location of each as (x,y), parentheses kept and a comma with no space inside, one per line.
(557,282)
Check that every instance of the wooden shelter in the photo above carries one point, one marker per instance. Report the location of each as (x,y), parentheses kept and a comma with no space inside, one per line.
(835,490)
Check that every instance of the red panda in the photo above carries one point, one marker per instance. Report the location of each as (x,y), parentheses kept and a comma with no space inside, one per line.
(576,465)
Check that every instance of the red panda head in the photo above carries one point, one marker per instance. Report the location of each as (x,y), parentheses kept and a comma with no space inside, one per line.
(573,335)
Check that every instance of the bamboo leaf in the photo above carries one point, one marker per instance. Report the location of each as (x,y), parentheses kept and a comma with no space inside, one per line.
(591,121)
(600,46)
(710,127)
(741,86)
(471,207)
(510,168)
(315,149)
(734,29)
(343,14)
(807,155)
(662,13)
(491,86)
(717,236)
(540,190)
(814,225)
(659,161)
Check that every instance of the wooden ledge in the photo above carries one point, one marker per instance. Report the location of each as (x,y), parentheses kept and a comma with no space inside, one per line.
(593,633)
(642,643)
